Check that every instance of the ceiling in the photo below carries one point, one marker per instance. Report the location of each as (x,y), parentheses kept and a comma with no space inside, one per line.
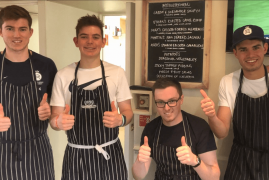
(105,7)
(30,6)
(102,6)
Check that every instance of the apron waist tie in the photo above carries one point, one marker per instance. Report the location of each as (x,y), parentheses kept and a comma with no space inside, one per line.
(17,145)
(98,147)
(17,150)
(250,148)
(262,153)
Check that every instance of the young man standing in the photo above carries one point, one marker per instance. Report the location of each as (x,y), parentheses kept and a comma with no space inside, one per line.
(182,145)
(26,77)
(91,87)
(243,97)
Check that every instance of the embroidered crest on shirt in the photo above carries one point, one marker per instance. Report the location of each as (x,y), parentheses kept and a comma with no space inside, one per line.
(38,77)
(89,104)
(247,31)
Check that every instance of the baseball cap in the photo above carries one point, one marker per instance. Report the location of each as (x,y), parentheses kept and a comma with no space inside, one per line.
(247,32)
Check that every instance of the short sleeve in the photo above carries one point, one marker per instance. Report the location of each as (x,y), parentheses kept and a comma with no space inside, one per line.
(57,97)
(52,73)
(206,140)
(223,99)
(123,91)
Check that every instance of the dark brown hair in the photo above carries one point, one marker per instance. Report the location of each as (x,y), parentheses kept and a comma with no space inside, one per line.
(89,21)
(14,12)
(263,42)
(163,83)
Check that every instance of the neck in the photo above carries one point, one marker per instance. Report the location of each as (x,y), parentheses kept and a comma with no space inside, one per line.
(88,63)
(252,75)
(176,121)
(17,56)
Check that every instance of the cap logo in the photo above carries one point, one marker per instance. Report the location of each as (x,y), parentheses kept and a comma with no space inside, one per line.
(247,31)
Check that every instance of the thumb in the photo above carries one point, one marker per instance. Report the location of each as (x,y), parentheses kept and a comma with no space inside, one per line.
(146,141)
(44,99)
(67,109)
(1,111)
(203,93)
(113,107)
(183,142)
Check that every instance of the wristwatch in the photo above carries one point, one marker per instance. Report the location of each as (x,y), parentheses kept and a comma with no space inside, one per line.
(198,161)
(123,120)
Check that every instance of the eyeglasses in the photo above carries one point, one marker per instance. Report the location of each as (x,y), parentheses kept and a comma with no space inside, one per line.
(171,103)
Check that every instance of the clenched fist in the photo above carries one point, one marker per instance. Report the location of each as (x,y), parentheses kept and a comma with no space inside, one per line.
(184,154)
(44,109)
(144,151)
(4,121)
(65,121)
(207,105)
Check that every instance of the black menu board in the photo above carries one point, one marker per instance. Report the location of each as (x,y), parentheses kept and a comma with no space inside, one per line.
(175,40)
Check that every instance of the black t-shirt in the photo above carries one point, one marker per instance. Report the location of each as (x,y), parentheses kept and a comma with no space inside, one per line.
(201,134)
(20,73)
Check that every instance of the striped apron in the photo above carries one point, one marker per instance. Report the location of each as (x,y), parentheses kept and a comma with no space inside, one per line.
(249,158)
(168,165)
(93,151)
(25,150)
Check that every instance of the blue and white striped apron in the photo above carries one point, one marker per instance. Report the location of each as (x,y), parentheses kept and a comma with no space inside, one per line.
(249,157)
(168,165)
(93,151)
(25,150)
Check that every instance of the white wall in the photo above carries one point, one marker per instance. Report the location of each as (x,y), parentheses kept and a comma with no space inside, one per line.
(59,22)
(57,29)
(114,52)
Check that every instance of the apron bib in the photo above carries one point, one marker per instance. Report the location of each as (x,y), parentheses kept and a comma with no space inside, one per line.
(93,150)
(249,154)
(25,150)
(168,166)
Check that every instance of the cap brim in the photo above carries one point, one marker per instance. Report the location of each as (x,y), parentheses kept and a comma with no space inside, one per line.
(246,38)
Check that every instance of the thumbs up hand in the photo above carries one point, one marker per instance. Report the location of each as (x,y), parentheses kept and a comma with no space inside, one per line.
(4,121)
(207,105)
(65,121)
(184,154)
(144,151)
(112,118)
(44,109)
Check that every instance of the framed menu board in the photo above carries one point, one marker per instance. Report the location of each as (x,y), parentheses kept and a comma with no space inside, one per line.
(176,41)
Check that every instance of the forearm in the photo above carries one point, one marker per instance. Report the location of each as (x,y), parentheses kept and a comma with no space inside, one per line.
(139,170)
(208,172)
(218,127)
(53,121)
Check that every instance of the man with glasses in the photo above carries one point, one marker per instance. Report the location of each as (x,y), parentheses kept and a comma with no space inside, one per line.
(182,145)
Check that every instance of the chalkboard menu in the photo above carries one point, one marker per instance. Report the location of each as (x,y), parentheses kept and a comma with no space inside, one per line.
(175,41)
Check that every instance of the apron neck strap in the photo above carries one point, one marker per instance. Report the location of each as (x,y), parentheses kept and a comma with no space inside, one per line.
(242,75)
(30,53)
(266,75)
(185,127)
(75,81)
(103,73)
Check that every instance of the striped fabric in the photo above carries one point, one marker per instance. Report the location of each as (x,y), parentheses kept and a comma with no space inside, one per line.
(249,158)
(25,150)
(88,107)
(168,166)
